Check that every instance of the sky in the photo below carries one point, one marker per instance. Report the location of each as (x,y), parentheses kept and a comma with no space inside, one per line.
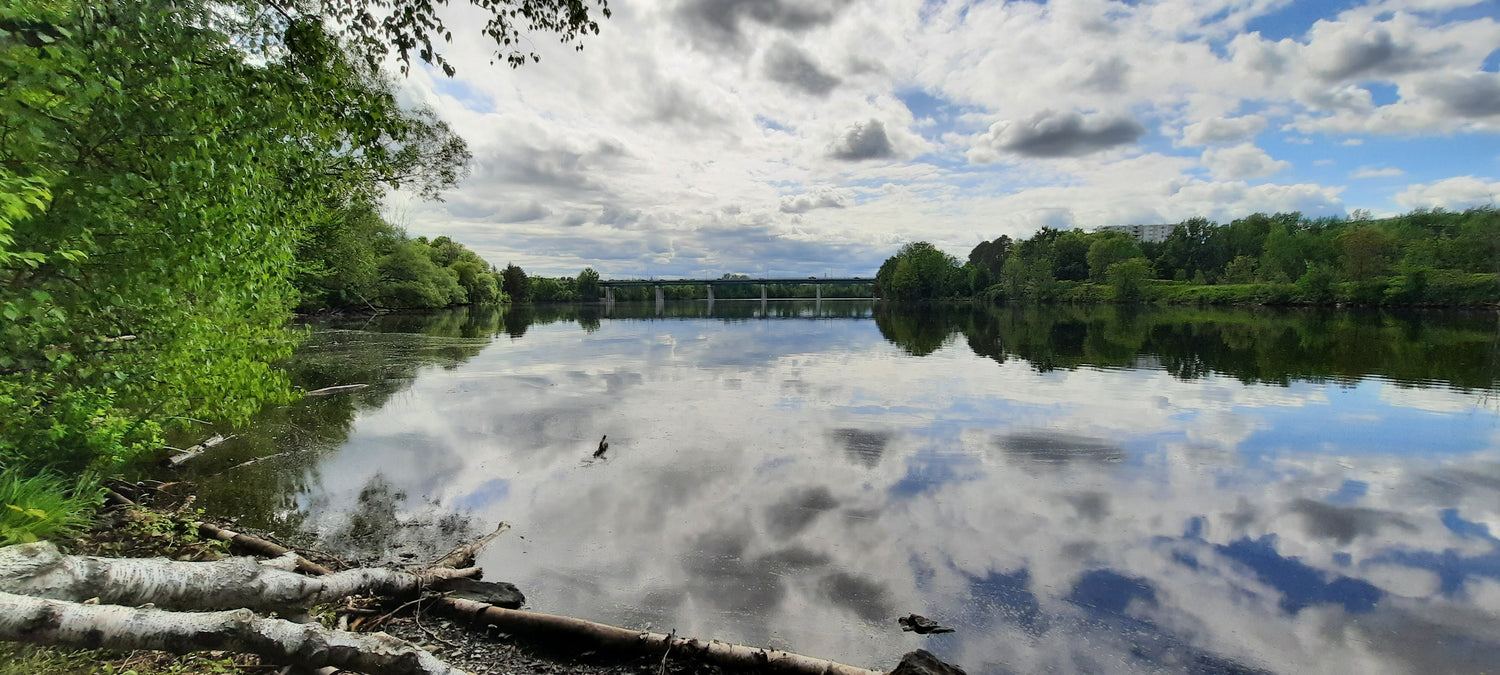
(693,138)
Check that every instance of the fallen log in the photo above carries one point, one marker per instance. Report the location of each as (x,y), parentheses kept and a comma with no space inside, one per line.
(464,554)
(196,450)
(337,389)
(582,634)
(248,542)
(25,618)
(40,570)
(257,545)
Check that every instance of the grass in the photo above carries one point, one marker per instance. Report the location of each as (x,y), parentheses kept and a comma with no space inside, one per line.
(38,507)
(23,659)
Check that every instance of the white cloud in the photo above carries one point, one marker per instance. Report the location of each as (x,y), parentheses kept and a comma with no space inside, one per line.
(1377,172)
(1223,130)
(1242,161)
(686,119)
(1459,192)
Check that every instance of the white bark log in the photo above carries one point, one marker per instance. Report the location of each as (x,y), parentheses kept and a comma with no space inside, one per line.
(28,619)
(39,570)
(336,390)
(196,450)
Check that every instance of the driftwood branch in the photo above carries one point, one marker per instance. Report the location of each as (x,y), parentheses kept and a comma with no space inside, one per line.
(181,457)
(581,634)
(336,390)
(258,545)
(464,554)
(39,570)
(29,619)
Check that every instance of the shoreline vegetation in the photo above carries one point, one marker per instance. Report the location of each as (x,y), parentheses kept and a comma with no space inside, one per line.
(1420,259)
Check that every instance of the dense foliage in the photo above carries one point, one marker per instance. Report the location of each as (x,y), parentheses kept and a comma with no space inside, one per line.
(1421,258)
(171,173)
(360,261)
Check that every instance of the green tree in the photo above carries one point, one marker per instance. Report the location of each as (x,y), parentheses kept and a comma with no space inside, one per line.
(919,271)
(1024,280)
(338,258)
(1316,284)
(1128,279)
(1109,248)
(478,283)
(1241,270)
(1070,255)
(991,255)
(1365,251)
(1195,246)
(588,285)
(410,279)
(513,281)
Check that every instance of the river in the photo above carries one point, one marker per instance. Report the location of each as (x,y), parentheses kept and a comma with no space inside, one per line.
(1072,489)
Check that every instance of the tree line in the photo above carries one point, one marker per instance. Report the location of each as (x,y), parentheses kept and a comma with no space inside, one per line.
(1426,257)
(360,261)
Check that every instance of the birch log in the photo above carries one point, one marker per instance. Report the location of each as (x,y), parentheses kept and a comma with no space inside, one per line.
(40,570)
(29,619)
(196,450)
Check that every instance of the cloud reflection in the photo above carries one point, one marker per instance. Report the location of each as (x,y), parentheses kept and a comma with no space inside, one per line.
(1073,519)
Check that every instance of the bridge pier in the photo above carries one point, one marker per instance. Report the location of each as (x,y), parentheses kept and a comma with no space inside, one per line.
(762,293)
(710,293)
(820,291)
(659,297)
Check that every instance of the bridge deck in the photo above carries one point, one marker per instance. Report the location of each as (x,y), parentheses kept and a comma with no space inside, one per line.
(727,282)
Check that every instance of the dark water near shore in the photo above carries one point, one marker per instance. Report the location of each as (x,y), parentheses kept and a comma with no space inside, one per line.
(1072,489)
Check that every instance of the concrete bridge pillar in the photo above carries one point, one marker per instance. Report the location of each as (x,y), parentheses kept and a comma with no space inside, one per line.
(820,291)
(609,294)
(762,292)
(659,298)
(710,292)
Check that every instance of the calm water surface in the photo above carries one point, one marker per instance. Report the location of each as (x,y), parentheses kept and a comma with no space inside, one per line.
(1072,489)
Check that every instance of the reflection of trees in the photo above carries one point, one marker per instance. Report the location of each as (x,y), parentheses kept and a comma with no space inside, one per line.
(376,531)
(1253,345)
(257,476)
(919,329)
(742,309)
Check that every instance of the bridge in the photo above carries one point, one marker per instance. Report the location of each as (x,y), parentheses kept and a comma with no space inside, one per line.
(610,285)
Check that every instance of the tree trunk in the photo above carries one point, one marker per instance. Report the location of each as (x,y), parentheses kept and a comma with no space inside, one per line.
(29,619)
(40,570)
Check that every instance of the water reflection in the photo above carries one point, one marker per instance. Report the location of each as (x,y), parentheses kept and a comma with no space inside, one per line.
(1073,489)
